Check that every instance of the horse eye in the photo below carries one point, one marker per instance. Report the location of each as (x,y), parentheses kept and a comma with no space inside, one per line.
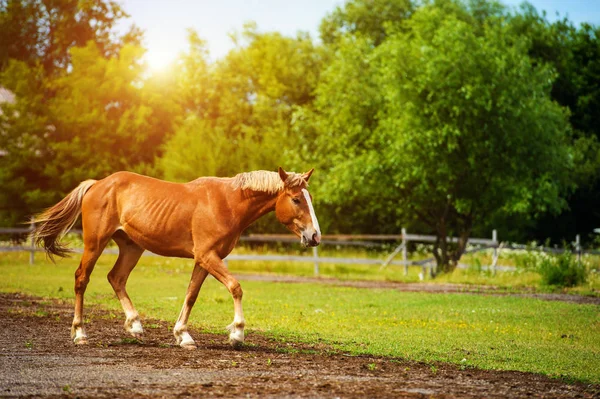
(296,201)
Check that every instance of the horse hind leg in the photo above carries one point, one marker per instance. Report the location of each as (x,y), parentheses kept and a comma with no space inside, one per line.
(180,331)
(92,250)
(129,255)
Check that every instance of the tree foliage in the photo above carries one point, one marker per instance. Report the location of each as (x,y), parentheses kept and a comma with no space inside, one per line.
(81,109)
(239,110)
(447,120)
(42,31)
(573,53)
(444,116)
(369,18)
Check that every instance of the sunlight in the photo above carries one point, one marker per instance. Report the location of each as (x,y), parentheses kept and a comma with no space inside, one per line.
(160,61)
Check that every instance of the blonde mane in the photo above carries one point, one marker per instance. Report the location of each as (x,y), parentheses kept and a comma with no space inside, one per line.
(269,182)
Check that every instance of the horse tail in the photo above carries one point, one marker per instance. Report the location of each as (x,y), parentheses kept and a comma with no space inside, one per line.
(54,222)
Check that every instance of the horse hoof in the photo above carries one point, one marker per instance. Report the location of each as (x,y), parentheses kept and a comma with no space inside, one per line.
(236,337)
(184,340)
(80,341)
(134,328)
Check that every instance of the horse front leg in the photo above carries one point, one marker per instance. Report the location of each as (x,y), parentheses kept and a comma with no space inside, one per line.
(216,267)
(180,331)
(219,271)
(236,328)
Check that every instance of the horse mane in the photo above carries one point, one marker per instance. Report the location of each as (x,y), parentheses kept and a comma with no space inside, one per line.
(267,181)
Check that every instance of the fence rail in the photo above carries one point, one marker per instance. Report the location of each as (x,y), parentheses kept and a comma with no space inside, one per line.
(366,240)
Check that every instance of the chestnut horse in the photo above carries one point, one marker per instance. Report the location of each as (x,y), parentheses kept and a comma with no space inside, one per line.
(202,219)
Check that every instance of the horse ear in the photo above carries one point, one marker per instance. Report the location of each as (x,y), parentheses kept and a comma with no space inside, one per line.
(283,175)
(306,176)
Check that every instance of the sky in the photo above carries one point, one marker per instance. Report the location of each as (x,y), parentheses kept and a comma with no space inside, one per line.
(165,26)
(165,23)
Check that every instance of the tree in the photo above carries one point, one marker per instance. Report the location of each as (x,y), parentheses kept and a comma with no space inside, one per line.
(368,18)
(81,110)
(238,110)
(573,53)
(44,31)
(459,126)
(101,118)
(23,125)
(339,129)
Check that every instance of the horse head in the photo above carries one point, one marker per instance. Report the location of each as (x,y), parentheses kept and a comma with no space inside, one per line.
(294,209)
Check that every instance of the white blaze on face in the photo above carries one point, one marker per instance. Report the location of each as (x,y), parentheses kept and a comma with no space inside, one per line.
(315,222)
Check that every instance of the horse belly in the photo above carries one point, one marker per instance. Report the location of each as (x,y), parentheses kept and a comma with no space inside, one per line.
(161,243)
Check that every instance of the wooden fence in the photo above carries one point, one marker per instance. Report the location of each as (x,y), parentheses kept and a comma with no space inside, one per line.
(365,240)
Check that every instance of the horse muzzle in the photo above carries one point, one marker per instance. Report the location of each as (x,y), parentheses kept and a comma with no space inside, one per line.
(310,238)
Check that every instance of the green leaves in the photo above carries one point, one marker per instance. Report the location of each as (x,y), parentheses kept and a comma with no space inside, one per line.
(80,108)
(471,103)
(101,117)
(437,117)
(446,118)
(45,31)
(239,110)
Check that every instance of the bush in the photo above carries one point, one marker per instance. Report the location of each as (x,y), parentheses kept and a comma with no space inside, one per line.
(563,270)
(529,260)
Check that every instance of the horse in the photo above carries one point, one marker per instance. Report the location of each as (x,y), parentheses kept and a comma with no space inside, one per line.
(200,220)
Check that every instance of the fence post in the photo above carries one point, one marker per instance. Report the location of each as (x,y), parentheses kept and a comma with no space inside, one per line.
(32,243)
(404,252)
(316,259)
(495,253)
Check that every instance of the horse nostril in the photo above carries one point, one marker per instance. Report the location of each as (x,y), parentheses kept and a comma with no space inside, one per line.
(316,239)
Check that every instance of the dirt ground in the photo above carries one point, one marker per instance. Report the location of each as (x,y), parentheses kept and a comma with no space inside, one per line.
(37,359)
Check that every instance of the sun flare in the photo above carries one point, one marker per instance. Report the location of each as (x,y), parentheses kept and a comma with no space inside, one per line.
(159,61)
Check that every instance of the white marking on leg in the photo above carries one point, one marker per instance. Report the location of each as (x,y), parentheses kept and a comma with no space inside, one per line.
(315,222)
(185,339)
(133,325)
(79,336)
(236,330)
(136,327)
(182,337)
(236,337)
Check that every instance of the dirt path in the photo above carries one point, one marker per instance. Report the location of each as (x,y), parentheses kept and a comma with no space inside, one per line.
(37,359)
(422,287)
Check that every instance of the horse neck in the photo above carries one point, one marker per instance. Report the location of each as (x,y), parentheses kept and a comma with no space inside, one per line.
(254,205)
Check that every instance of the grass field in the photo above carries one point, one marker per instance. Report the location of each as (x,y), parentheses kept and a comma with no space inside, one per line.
(522,278)
(508,333)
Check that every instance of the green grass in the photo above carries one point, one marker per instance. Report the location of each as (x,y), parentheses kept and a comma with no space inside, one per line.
(519,280)
(506,333)
(522,279)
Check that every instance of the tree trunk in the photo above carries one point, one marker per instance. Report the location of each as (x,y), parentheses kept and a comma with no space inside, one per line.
(461,246)
(446,259)
(440,250)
